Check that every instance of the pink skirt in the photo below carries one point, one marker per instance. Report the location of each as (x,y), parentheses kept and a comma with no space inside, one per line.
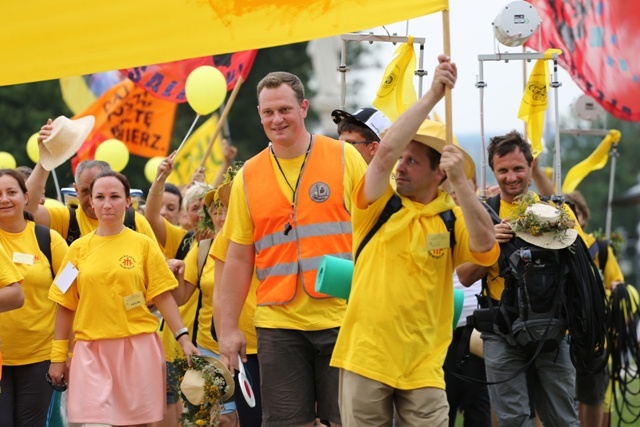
(118,382)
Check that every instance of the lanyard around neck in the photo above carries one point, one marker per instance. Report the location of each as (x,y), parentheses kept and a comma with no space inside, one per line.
(294,190)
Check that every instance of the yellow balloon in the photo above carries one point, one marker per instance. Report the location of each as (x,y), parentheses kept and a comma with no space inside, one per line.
(151,168)
(205,89)
(32,148)
(7,161)
(114,152)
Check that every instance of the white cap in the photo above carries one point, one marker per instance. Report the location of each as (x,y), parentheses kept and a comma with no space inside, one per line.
(370,117)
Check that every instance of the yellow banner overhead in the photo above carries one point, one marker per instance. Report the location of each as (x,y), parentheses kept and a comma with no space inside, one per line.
(42,40)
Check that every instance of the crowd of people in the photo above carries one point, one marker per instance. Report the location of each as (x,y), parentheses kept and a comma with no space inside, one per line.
(99,301)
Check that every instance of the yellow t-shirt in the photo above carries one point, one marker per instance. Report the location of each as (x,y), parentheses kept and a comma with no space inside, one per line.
(27,333)
(612,271)
(59,221)
(397,326)
(174,235)
(117,277)
(8,272)
(247,315)
(303,312)
(494,281)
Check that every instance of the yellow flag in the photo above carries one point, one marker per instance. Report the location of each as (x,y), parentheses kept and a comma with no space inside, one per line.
(597,160)
(534,102)
(190,155)
(43,40)
(396,92)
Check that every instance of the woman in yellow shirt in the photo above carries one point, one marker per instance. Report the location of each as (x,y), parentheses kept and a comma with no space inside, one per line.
(117,371)
(26,333)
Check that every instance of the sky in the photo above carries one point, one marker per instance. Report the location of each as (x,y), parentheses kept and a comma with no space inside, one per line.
(471,35)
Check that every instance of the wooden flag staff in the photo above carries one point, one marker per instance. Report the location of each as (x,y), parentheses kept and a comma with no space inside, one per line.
(223,118)
(446,30)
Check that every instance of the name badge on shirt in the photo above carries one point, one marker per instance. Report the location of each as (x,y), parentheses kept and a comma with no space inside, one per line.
(65,278)
(438,241)
(134,300)
(20,258)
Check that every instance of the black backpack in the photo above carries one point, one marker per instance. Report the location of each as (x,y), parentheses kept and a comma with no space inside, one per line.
(548,292)
(534,293)
(531,311)
(74,229)
(43,236)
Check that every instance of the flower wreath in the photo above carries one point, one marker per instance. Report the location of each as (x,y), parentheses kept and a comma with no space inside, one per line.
(206,222)
(215,386)
(526,221)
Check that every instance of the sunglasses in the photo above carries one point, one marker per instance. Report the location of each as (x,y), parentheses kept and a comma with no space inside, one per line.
(57,387)
(245,385)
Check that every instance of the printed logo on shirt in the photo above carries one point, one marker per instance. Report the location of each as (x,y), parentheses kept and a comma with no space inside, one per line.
(436,253)
(319,192)
(127,262)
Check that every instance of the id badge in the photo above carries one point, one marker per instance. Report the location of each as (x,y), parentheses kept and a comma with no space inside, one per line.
(134,300)
(438,241)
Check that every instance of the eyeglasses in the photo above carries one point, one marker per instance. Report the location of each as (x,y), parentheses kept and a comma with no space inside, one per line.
(359,142)
(245,385)
(57,387)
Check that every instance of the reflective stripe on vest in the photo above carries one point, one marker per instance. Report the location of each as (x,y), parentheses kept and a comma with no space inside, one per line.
(321,222)
(313,230)
(292,267)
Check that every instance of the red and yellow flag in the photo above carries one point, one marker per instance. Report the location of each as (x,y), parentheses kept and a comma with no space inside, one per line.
(166,81)
(600,41)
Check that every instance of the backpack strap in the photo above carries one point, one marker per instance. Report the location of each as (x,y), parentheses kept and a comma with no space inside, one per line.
(130,218)
(43,236)
(185,245)
(594,249)
(74,229)
(600,248)
(393,205)
(203,254)
(603,253)
(449,219)
(494,204)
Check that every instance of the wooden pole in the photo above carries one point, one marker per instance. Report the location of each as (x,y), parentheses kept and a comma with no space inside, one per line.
(446,30)
(221,121)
